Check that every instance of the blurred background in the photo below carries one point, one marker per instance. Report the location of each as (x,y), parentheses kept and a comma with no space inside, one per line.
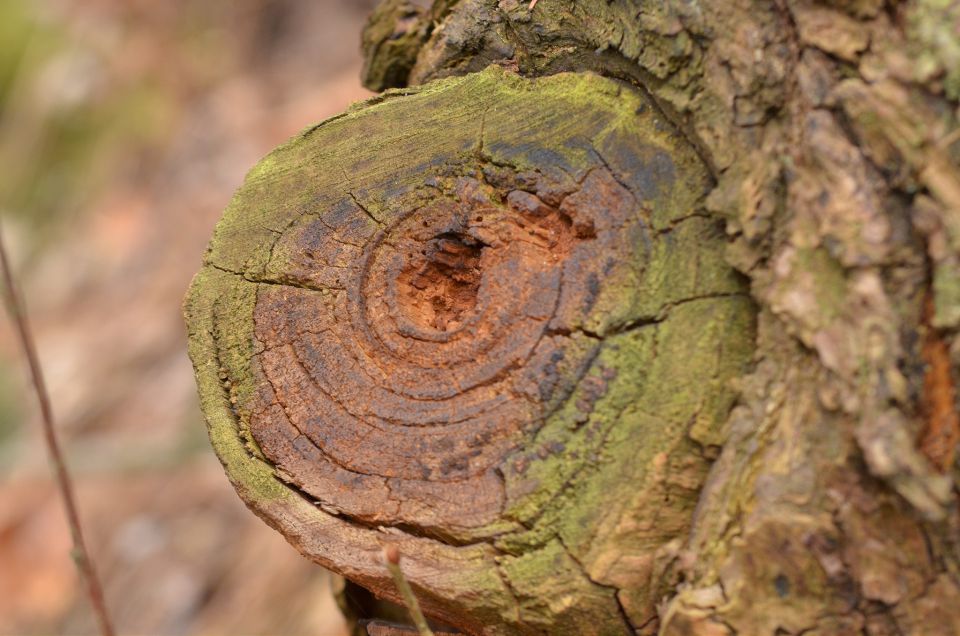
(125,125)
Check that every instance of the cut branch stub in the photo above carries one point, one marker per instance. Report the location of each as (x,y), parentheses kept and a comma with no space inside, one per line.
(485,321)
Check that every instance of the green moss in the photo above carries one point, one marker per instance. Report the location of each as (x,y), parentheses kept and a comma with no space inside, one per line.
(687,261)
(376,148)
(946,290)
(664,392)
(933,34)
(252,477)
(642,384)
(555,596)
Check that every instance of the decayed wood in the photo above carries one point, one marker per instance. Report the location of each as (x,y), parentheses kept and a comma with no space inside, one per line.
(823,136)
(489,323)
(831,129)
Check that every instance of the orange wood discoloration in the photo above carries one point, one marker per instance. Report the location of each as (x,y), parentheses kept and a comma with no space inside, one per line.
(941,431)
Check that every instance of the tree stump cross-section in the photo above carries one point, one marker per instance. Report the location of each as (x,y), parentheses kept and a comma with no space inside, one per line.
(487,321)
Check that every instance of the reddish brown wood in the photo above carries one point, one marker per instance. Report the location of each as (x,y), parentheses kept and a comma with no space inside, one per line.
(414,378)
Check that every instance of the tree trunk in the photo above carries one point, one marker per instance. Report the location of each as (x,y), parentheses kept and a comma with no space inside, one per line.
(649,327)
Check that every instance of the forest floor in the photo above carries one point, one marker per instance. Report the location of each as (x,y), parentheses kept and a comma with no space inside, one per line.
(124,128)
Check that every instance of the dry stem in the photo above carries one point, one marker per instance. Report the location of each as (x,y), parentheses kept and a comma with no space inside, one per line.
(80,554)
(392,558)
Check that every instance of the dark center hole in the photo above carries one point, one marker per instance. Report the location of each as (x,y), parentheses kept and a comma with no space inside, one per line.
(440,286)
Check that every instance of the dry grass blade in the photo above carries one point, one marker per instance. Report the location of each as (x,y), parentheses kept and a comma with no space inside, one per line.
(392,557)
(80,554)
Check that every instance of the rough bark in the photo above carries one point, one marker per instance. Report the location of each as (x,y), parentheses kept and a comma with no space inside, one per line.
(532,420)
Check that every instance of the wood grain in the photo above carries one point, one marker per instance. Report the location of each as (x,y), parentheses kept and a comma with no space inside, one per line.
(484,320)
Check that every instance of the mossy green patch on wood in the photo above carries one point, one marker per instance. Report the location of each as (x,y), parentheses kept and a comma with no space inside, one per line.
(254,479)
(555,596)
(555,226)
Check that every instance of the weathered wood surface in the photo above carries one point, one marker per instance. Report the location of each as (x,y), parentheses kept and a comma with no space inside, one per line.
(826,143)
(484,320)
(831,129)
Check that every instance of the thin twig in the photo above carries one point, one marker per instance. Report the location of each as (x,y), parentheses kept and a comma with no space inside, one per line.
(392,556)
(80,554)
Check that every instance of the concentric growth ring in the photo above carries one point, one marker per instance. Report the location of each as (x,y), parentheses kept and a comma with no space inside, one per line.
(412,376)
(459,319)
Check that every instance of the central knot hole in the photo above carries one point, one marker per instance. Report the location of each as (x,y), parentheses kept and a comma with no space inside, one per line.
(439,286)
